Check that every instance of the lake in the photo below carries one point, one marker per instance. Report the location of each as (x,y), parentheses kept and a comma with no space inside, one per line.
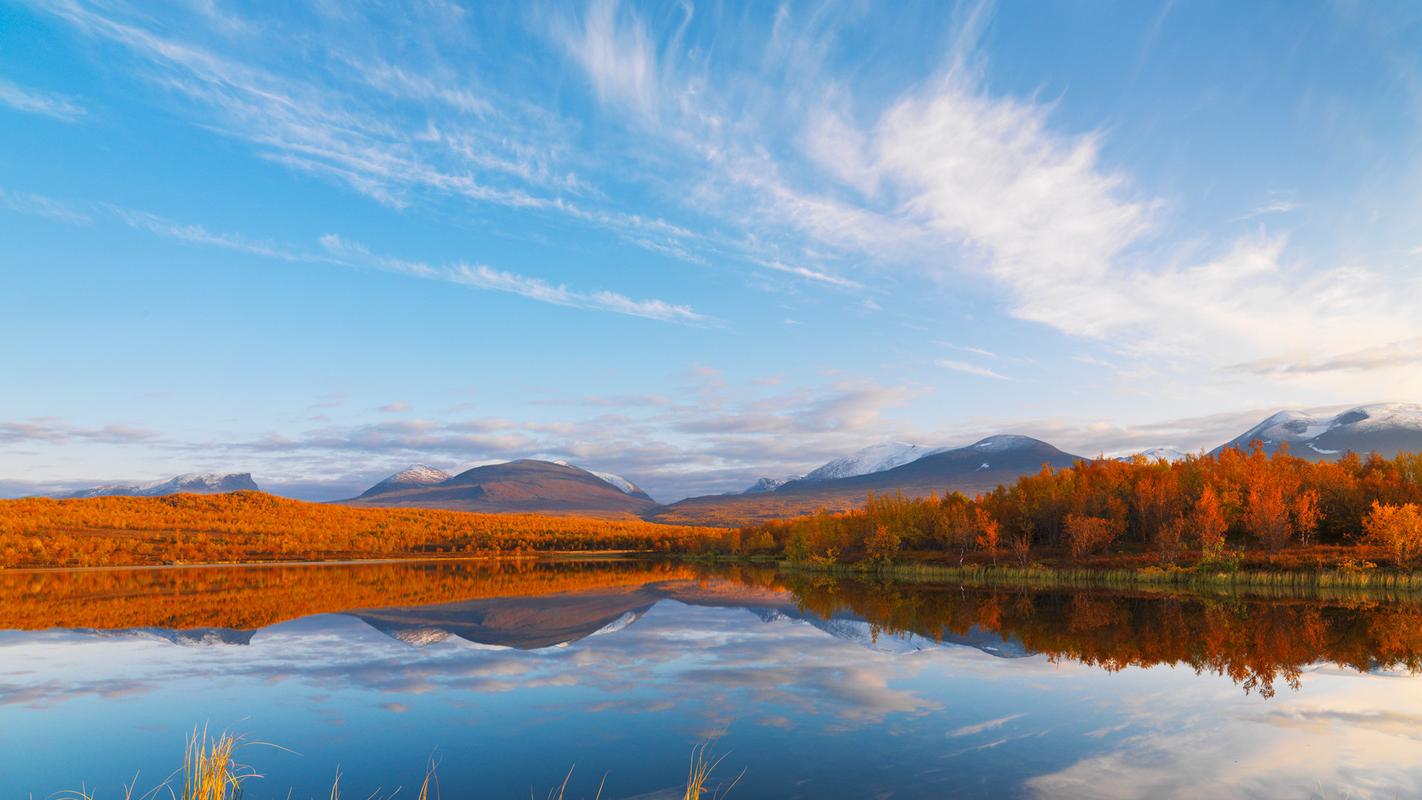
(507,676)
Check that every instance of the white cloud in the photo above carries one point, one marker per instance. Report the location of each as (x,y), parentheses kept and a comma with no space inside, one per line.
(971,369)
(44,104)
(39,205)
(484,277)
(197,234)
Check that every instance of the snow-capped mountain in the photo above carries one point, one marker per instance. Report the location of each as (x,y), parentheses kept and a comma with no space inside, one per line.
(190,483)
(1171,454)
(412,476)
(978,467)
(1384,428)
(874,458)
(611,479)
(767,485)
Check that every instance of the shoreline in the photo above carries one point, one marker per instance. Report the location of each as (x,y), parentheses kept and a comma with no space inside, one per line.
(1154,579)
(552,555)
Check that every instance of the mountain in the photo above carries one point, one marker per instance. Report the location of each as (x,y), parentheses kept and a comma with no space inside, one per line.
(535,623)
(190,483)
(979,467)
(413,476)
(1171,454)
(1384,428)
(526,486)
(617,481)
(766,485)
(875,458)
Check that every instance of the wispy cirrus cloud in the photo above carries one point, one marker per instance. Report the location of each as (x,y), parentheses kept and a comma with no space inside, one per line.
(50,430)
(45,104)
(42,206)
(1393,355)
(971,369)
(335,250)
(197,234)
(481,276)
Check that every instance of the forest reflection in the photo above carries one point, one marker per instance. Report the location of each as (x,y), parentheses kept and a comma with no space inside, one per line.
(1260,643)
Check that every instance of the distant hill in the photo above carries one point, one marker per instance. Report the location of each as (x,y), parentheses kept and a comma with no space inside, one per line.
(411,477)
(979,467)
(1171,454)
(526,486)
(190,483)
(533,623)
(1384,428)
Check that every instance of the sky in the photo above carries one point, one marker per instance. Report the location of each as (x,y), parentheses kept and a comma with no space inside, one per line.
(690,243)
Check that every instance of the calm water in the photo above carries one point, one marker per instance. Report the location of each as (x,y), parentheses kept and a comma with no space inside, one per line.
(509,677)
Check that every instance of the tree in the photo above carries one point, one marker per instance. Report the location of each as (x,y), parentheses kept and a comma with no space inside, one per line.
(988,533)
(1087,534)
(882,545)
(1208,523)
(1170,537)
(1267,515)
(955,525)
(1396,527)
(1306,514)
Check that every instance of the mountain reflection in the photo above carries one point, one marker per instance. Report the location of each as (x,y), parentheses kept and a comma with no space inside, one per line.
(1258,643)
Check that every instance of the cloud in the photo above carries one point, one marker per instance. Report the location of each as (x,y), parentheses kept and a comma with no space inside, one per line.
(44,104)
(39,205)
(971,730)
(1388,356)
(197,234)
(1275,207)
(339,251)
(617,54)
(394,408)
(971,369)
(481,276)
(53,431)
(391,123)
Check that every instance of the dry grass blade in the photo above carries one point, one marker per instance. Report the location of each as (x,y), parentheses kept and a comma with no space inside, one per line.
(698,779)
(210,768)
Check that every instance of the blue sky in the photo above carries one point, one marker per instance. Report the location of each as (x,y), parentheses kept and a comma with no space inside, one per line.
(691,243)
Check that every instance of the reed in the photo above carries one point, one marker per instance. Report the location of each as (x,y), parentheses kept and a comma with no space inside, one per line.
(698,778)
(1280,583)
(211,771)
(210,768)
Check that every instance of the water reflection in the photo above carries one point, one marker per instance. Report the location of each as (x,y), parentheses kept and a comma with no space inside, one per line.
(511,673)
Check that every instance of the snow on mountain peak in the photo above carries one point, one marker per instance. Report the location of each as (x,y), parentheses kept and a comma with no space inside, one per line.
(616,481)
(419,473)
(1002,442)
(1171,454)
(1300,426)
(875,458)
(190,482)
(767,485)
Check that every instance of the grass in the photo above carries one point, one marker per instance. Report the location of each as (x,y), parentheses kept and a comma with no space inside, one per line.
(1312,583)
(211,771)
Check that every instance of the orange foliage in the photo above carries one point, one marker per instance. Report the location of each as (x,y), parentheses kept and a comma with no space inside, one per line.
(1089,534)
(1255,643)
(247,598)
(1398,528)
(1128,507)
(252,526)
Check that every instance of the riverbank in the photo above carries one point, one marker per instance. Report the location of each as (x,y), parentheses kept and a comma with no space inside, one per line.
(1312,583)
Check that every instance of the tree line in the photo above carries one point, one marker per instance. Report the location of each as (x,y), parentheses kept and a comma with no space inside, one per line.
(254,526)
(1204,508)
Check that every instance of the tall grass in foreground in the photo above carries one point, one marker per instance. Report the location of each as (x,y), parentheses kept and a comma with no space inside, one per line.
(211,771)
